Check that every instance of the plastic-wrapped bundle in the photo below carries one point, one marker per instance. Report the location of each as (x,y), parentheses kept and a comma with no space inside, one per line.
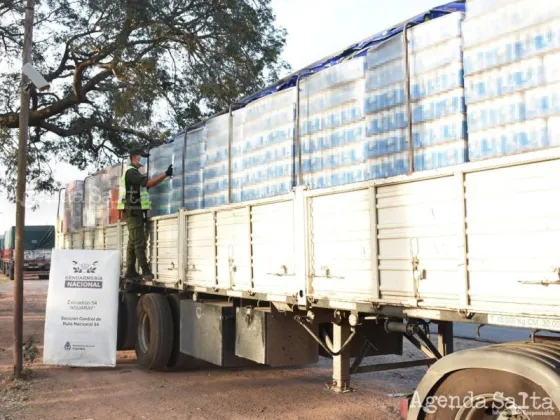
(332,125)
(436,94)
(479,7)
(511,47)
(436,56)
(237,141)
(332,108)
(506,18)
(216,163)
(91,198)
(439,134)
(110,178)
(339,74)
(440,155)
(114,214)
(97,196)
(268,146)
(380,56)
(73,206)
(166,197)
(193,170)
(443,30)
(512,76)
(385,148)
(215,178)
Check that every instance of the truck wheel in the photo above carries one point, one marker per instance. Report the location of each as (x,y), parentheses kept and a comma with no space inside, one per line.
(12,272)
(485,394)
(127,327)
(155,331)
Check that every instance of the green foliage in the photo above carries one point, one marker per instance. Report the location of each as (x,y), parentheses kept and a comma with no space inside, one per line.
(128,71)
(30,350)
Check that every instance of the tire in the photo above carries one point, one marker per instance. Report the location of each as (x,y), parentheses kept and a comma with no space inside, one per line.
(131,304)
(155,332)
(128,321)
(12,273)
(459,387)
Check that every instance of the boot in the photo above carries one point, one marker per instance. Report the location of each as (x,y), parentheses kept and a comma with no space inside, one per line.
(147,273)
(131,273)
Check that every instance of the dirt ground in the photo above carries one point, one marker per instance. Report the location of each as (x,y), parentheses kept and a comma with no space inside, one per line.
(130,392)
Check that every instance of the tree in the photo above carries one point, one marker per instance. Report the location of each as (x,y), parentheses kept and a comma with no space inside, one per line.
(128,72)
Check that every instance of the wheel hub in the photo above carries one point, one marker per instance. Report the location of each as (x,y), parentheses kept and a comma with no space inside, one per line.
(144,333)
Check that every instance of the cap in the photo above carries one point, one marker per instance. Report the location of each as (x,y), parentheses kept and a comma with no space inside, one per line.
(141,152)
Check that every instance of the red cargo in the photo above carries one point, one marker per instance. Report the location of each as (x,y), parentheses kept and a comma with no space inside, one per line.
(113,212)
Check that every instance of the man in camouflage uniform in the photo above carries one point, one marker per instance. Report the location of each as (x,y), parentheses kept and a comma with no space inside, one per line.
(134,201)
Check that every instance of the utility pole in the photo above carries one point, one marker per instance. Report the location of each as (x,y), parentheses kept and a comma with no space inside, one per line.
(20,189)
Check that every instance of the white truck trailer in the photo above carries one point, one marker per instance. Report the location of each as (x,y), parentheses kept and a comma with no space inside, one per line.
(351,271)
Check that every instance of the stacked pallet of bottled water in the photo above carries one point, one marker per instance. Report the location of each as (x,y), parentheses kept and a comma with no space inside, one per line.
(91,200)
(237,126)
(216,160)
(439,130)
(332,125)
(166,197)
(512,76)
(268,146)
(109,178)
(73,206)
(436,95)
(386,147)
(194,170)
(97,195)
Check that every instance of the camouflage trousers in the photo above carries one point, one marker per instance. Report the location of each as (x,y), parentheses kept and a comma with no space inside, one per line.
(136,242)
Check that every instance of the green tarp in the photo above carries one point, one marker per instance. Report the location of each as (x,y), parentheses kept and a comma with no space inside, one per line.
(34,237)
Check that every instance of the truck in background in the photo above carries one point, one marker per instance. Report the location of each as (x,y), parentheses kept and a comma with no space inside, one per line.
(38,242)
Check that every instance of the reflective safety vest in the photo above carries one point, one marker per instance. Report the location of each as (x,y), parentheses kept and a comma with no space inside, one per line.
(145,203)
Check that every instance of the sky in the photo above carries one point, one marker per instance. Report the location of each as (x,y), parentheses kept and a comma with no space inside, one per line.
(316,29)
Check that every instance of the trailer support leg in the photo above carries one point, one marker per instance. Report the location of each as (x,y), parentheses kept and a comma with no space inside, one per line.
(341,363)
(445,337)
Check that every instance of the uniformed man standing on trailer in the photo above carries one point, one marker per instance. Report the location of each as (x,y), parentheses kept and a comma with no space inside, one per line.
(135,202)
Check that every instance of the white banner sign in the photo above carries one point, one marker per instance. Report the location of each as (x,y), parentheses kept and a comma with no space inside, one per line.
(82,308)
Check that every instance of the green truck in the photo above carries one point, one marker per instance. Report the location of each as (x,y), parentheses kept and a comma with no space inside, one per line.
(38,242)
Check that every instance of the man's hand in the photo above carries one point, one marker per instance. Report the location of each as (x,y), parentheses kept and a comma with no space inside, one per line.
(169,171)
